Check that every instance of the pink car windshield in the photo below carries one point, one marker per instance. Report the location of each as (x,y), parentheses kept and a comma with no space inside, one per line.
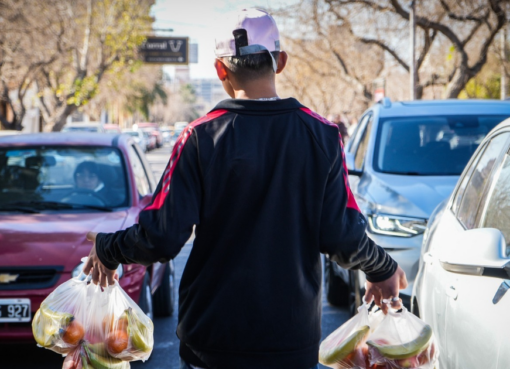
(67,176)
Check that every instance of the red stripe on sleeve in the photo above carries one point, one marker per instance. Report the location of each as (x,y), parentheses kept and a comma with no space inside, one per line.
(351,201)
(160,197)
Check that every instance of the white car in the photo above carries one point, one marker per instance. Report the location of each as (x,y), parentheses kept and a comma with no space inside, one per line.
(464,273)
(404,159)
(97,127)
(139,138)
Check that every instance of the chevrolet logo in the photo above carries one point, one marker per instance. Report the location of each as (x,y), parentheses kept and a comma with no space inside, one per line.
(8,278)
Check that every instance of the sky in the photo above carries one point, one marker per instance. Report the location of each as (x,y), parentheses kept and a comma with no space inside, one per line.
(198,20)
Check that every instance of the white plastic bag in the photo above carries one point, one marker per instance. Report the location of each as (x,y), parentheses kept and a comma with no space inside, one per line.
(58,324)
(117,329)
(345,348)
(95,327)
(402,340)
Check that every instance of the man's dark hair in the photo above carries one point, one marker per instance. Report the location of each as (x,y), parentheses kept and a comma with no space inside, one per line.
(252,66)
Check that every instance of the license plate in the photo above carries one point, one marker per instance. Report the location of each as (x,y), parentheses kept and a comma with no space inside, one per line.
(15,310)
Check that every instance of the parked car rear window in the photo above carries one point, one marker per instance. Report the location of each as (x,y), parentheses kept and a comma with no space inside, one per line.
(80,129)
(92,176)
(433,145)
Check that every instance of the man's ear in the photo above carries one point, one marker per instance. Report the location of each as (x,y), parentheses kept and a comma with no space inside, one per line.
(282,61)
(221,70)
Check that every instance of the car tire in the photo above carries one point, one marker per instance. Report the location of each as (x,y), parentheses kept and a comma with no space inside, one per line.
(337,291)
(356,293)
(164,297)
(145,300)
(415,308)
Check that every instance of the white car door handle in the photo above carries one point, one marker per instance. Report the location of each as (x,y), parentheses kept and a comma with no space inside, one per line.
(452,292)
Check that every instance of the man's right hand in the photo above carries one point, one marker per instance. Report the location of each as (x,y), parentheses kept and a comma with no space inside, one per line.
(387,290)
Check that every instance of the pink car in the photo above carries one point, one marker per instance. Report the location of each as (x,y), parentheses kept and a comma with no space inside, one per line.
(54,188)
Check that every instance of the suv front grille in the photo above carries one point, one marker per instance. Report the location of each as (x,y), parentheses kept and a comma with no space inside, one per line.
(26,278)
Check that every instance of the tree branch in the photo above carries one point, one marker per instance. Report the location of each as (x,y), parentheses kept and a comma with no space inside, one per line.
(428,24)
(385,48)
(429,40)
(501,19)
(469,17)
(368,3)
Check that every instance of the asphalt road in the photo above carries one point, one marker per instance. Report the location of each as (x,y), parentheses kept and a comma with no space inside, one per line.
(166,345)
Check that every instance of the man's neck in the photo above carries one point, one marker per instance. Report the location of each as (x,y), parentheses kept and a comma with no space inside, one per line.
(260,89)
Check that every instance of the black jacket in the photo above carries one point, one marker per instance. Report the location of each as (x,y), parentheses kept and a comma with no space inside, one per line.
(266,185)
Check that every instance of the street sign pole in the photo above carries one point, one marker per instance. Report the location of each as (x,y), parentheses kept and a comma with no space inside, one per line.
(503,63)
(412,66)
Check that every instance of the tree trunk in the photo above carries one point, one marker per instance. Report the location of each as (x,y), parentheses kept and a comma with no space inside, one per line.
(56,124)
(457,84)
(14,125)
(418,91)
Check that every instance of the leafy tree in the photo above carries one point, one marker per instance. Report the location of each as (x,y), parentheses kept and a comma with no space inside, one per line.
(65,48)
(143,98)
(106,35)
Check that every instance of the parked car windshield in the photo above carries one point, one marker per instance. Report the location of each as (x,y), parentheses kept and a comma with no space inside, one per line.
(62,177)
(433,145)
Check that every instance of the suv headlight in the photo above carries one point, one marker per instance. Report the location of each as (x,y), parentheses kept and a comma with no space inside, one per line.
(76,271)
(391,225)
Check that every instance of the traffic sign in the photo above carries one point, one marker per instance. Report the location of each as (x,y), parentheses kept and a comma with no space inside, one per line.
(165,50)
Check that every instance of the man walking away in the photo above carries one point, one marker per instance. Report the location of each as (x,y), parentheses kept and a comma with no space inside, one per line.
(264,181)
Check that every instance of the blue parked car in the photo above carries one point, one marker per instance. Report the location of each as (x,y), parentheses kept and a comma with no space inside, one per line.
(405,158)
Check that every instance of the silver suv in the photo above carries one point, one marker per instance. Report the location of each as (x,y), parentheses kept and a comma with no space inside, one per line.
(405,158)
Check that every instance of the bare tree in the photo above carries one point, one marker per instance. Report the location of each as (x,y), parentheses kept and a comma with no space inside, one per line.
(329,70)
(26,45)
(468,26)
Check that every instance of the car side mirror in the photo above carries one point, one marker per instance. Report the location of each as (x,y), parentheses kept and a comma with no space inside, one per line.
(480,251)
(349,162)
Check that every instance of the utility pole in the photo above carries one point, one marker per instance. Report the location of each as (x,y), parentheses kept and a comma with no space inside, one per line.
(412,66)
(503,63)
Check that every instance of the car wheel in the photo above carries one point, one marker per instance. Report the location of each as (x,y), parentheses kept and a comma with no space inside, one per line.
(145,300)
(356,293)
(336,289)
(164,297)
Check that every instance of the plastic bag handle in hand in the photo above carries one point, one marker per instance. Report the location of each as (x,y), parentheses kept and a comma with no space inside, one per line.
(88,277)
(392,309)
(82,276)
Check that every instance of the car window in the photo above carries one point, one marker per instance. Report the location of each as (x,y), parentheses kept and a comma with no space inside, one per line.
(462,187)
(430,145)
(147,169)
(357,133)
(90,176)
(141,180)
(361,151)
(478,180)
(497,211)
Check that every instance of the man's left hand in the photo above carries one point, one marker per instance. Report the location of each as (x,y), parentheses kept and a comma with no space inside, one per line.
(100,273)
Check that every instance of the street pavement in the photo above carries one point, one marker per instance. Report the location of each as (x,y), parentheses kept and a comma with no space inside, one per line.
(166,345)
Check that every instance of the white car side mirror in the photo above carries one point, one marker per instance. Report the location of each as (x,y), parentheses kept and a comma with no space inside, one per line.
(481,251)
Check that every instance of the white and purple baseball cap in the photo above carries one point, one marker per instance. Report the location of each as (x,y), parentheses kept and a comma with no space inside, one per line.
(249,31)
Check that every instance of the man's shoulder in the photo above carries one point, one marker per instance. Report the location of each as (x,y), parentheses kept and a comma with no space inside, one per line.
(318,122)
(212,115)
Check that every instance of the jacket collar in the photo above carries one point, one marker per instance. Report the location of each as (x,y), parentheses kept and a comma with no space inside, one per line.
(258,107)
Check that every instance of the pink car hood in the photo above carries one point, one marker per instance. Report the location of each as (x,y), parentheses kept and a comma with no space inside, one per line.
(52,239)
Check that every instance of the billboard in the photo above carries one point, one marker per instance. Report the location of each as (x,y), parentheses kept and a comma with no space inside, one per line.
(165,50)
